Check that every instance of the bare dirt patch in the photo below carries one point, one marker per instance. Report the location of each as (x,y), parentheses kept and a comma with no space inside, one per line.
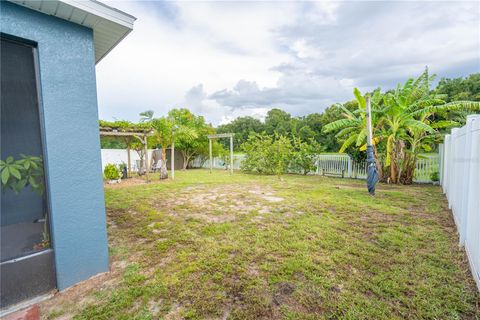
(126,183)
(220,204)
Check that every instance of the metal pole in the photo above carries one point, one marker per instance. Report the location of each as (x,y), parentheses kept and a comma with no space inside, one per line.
(172,164)
(210,149)
(231,155)
(369,122)
(372,174)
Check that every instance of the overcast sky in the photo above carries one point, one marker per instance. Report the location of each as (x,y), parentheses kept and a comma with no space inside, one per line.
(228,59)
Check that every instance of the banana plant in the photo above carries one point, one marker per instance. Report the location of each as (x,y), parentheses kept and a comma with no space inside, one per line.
(352,130)
(406,121)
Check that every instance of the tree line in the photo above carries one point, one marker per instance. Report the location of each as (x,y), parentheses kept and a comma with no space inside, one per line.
(408,121)
(311,126)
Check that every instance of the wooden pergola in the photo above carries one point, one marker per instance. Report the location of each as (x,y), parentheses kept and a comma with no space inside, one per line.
(141,135)
(216,136)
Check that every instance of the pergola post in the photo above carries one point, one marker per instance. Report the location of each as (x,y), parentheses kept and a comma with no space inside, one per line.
(145,143)
(221,135)
(172,160)
(210,152)
(231,154)
(129,161)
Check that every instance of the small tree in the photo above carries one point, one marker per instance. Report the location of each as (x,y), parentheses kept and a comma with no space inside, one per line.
(281,153)
(304,155)
(266,154)
(191,146)
(165,131)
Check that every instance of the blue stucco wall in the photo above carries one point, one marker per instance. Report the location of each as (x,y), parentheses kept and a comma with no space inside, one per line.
(71,139)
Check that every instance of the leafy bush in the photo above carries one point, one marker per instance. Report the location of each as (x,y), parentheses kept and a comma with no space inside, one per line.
(111,172)
(266,154)
(18,174)
(304,156)
(435,176)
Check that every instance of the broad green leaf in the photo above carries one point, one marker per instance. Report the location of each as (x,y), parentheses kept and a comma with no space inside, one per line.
(361,100)
(22,183)
(418,125)
(5,175)
(347,143)
(32,182)
(14,172)
(361,137)
(339,124)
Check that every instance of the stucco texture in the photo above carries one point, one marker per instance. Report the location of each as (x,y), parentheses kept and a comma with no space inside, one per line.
(69,118)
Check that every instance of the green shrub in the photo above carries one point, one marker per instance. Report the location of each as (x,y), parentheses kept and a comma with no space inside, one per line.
(435,176)
(111,172)
(304,156)
(266,154)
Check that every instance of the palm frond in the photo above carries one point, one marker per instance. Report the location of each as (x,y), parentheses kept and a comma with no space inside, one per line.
(146,116)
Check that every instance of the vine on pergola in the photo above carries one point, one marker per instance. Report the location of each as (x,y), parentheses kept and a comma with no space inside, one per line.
(134,135)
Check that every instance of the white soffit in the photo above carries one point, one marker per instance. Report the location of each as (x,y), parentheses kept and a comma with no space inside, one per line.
(109,25)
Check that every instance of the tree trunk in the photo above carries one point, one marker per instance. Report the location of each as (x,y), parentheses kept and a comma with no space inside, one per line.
(129,161)
(188,161)
(393,167)
(409,170)
(378,164)
(163,168)
(185,160)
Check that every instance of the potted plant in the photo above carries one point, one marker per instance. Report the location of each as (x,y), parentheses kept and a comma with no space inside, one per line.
(111,173)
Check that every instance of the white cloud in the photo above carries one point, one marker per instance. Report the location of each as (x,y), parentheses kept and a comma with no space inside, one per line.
(228,59)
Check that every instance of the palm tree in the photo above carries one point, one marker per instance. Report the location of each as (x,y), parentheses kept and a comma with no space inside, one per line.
(146,116)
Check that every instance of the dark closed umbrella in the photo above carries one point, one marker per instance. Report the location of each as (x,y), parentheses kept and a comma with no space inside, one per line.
(372,174)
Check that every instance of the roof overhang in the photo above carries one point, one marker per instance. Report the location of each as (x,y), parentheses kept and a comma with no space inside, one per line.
(109,25)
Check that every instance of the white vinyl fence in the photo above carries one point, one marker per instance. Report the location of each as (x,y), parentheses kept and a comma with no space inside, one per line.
(119,156)
(460,180)
(340,165)
(218,162)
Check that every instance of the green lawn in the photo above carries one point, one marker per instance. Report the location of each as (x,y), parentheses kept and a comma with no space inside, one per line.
(215,246)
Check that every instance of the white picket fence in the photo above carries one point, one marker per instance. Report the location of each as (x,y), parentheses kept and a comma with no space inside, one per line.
(460,180)
(340,165)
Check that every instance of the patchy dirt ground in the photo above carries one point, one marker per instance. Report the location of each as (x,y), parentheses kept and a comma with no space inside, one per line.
(214,246)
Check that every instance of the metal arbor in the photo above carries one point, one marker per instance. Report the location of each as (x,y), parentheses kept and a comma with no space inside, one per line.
(216,136)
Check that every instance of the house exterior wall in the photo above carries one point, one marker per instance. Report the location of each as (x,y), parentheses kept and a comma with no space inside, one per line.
(69,118)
